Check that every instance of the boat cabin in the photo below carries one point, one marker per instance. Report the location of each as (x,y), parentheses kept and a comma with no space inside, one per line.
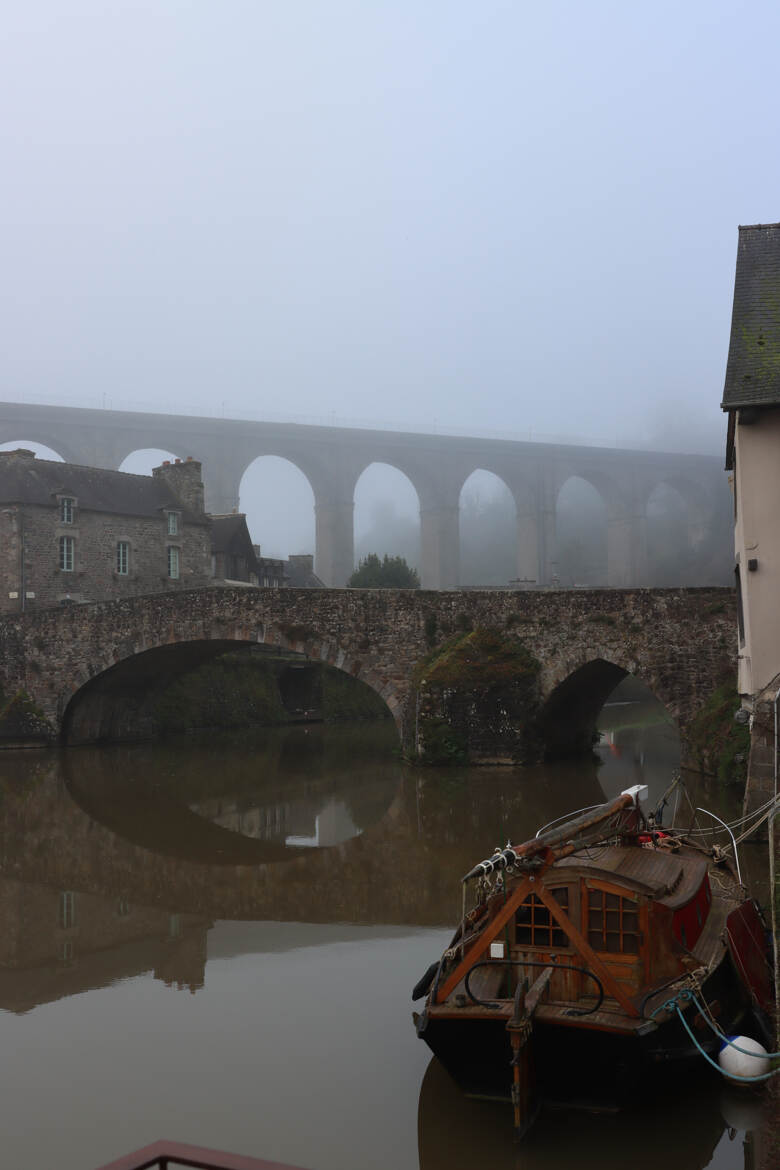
(631,916)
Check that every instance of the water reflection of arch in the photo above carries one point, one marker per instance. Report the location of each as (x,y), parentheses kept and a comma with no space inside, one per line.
(239,800)
(401,870)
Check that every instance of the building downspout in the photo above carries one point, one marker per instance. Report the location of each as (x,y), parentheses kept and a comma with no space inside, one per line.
(22,582)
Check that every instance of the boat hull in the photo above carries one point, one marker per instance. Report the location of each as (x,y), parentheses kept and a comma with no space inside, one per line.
(580,1062)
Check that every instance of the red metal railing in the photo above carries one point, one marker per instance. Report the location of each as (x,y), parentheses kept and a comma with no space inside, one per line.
(162,1154)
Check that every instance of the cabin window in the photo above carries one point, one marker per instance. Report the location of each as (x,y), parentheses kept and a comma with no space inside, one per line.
(536,927)
(613,923)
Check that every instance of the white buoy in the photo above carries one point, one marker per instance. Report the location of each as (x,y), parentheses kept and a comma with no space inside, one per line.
(753,1062)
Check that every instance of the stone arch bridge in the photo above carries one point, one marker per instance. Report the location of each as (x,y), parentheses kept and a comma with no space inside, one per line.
(88,670)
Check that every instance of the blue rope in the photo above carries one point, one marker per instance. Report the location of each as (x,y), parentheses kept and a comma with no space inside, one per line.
(730,1076)
(726,1039)
(686,994)
(674,1005)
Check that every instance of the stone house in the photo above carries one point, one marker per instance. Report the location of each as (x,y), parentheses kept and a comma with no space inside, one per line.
(56,943)
(235,559)
(78,534)
(233,555)
(752,398)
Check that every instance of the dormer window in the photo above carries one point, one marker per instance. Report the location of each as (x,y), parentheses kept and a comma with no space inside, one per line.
(67,508)
(173,523)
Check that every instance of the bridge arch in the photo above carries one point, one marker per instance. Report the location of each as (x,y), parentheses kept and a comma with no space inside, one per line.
(143,460)
(582,532)
(42,450)
(383,524)
(109,700)
(678,513)
(278,497)
(488,513)
(568,718)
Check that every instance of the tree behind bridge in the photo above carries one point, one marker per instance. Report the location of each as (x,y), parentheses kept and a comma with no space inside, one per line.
(389,573)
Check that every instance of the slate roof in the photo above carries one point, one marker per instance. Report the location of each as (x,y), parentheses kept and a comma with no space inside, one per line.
(24,479)
(230,534)
(753,367)
(226,530)
(301,575)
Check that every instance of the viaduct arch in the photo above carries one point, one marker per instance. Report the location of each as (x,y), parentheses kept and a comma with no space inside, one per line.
(333,458)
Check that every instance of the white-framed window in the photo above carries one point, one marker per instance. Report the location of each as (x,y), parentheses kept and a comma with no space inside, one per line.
(173,523)
(123,557)
(67,550)
(173,562)
(67,909)
(67,507)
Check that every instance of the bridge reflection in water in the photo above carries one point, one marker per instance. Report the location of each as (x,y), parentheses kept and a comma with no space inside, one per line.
(128,871)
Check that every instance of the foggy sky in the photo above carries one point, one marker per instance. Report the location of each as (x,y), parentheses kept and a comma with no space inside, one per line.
(514,217)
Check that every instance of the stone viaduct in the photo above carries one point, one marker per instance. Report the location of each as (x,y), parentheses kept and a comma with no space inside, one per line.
(333,459)
(90,669)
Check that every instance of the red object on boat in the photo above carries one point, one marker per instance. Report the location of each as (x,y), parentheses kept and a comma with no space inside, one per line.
(162,1153)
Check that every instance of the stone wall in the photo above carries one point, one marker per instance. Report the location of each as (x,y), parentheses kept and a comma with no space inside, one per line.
(677,641)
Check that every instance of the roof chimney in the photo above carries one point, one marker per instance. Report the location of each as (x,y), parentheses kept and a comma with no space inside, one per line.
(183,480)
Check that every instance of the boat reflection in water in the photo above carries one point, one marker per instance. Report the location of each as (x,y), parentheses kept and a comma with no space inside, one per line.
(677,1131)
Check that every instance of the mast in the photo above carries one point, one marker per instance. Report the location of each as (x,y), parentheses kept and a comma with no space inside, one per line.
(621,815)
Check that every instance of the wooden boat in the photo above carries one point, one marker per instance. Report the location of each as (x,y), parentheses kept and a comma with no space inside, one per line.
(585,953)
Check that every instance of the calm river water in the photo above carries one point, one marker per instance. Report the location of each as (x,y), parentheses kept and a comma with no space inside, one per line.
(215,939)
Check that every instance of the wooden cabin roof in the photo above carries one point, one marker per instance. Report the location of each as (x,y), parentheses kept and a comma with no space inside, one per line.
(670,878)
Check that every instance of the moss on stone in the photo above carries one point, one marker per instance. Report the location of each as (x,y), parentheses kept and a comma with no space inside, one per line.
(21,718)
(477,699)
(482,658)
(716,743)
(442,744)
